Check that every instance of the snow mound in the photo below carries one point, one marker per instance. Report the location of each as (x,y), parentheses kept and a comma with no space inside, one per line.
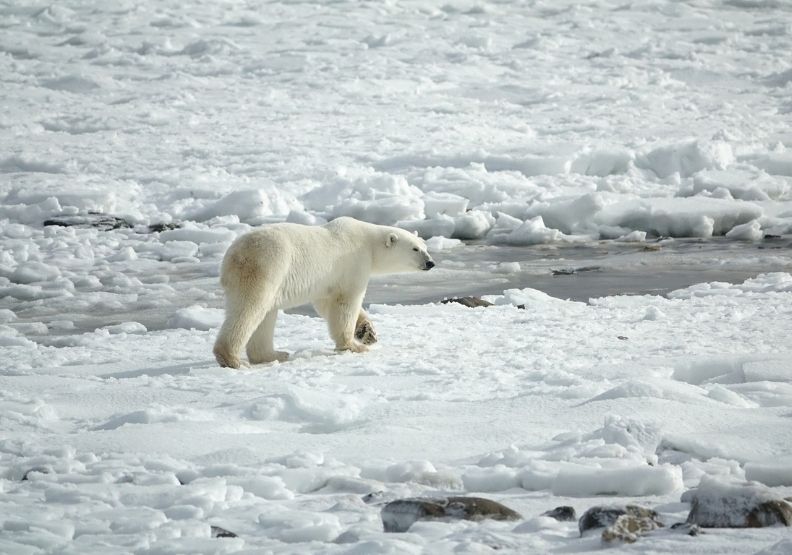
(678,217)
(197,317)
(686,158)
(617,459)
(636,481)
(656,388)
(529,297)
(32,272)
(440,243)
(293,526)
(195,234)
(750,231)
(530,232)
(154,415)
(772,473)
(252,205)
(775,282)
(319,413)
(741,184)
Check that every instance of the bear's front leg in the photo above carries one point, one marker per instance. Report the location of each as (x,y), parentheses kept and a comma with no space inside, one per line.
(342,317)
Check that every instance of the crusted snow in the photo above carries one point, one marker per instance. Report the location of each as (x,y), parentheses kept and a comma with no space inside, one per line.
(533,130)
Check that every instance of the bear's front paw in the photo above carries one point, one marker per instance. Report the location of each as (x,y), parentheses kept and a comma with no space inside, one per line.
(365,333)
(279,356)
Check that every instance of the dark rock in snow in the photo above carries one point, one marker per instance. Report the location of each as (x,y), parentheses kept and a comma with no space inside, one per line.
(218,532)
(470,302)
(91,219)
(563,513)
(628,528)
(687,528)
(399,515)
(573,271)
(364,332)
(601,517)
(716,504)
(156,228)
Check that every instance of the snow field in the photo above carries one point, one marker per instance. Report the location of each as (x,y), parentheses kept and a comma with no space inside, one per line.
(163,130)
(155,444)
(194,113)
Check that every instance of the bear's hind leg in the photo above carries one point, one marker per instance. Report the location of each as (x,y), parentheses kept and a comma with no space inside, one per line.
(241,320)
(260,348)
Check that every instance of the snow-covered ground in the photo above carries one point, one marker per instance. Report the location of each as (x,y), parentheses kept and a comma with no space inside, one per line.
(645,143)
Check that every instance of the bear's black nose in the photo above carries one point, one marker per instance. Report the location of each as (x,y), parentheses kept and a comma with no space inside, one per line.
(429,265)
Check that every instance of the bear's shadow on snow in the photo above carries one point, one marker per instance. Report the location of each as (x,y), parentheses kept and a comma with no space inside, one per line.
(172,370)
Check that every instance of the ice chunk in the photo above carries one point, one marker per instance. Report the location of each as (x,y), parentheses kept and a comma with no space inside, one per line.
(444,203)
(635,481)
(533,232)
(367,195)
(749,231)
(686,158)
(771,472)
(439,243)
(30,272)
(472,225)
(250,205)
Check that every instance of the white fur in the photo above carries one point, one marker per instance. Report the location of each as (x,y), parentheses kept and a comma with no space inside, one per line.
(285,265)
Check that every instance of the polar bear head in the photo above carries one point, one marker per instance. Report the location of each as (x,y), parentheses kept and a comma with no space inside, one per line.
(402,251)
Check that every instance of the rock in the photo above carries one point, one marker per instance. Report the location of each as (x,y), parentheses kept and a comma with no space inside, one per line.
(562,514)
(399,515)
(628,528)
(91,219)
(573,271)
(601,517)
(718,504)
(689,529)
(365,333)
(470,302)
(158,227)
(218,532)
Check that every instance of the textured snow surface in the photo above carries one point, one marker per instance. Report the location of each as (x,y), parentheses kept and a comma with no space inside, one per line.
(539,126)
(140,442)
(408,112)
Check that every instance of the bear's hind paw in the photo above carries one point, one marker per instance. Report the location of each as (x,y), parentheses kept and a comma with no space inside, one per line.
(226,360)
(274,356)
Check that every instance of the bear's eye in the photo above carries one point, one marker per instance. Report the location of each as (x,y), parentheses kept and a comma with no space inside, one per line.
(415,249)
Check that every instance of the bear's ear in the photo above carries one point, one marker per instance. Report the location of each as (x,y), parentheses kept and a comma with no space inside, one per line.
(391,240)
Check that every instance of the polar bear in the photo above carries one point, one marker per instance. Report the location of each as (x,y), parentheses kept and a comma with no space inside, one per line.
(285,265)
